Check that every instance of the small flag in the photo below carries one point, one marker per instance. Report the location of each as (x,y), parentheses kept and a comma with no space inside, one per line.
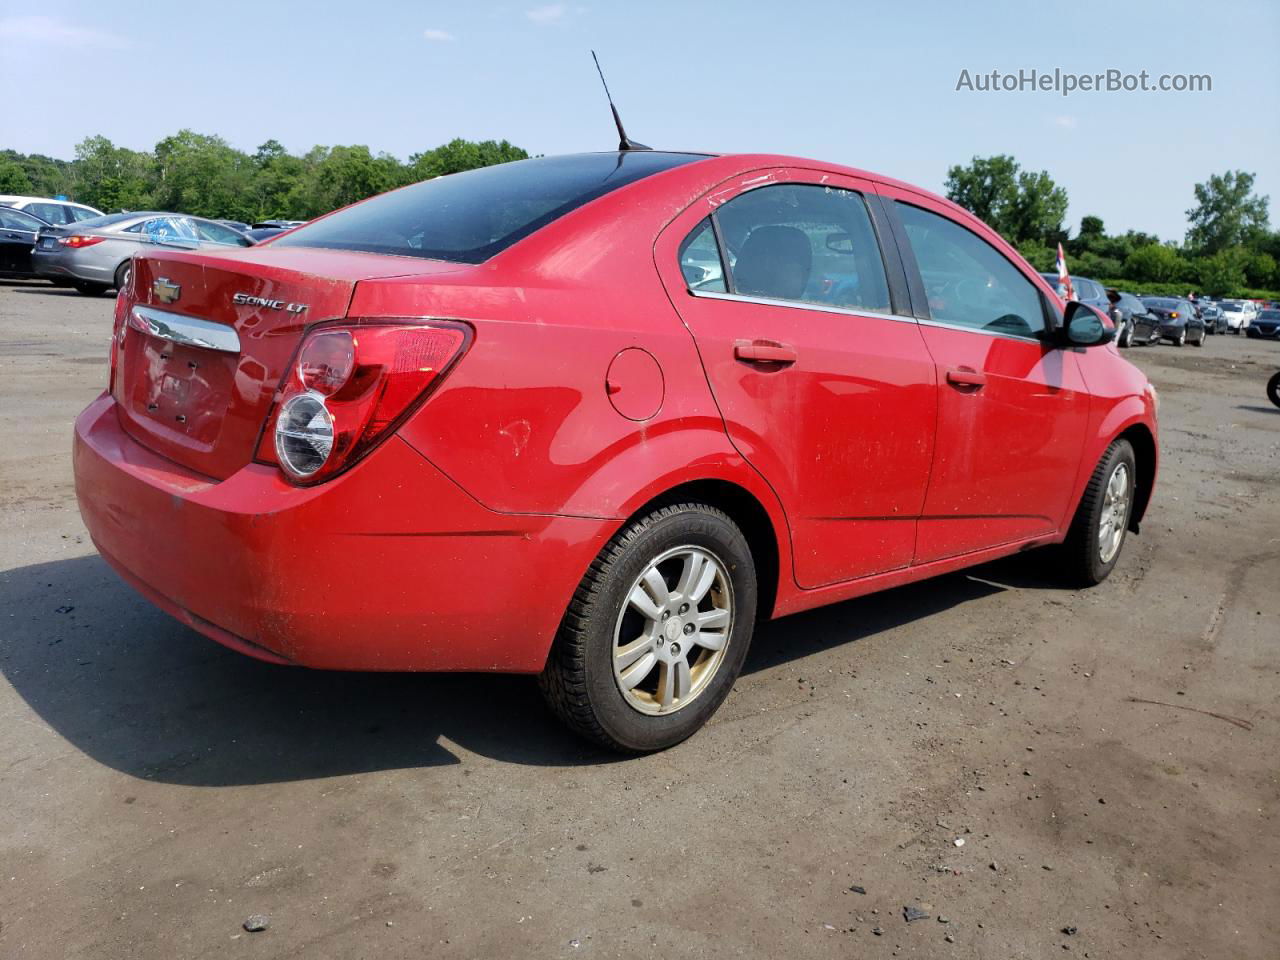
(1065,290)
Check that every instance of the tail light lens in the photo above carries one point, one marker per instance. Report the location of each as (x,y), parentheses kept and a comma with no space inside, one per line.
(118,332)
(79,240)
(350,387)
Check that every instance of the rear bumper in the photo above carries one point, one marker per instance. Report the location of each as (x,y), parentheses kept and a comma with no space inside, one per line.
(390,566)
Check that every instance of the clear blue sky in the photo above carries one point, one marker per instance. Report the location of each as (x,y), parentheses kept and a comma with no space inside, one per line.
(867,84)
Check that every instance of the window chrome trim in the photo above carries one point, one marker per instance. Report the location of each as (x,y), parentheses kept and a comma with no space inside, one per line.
(845,311)
(979,330)
(188,331)
(803,305)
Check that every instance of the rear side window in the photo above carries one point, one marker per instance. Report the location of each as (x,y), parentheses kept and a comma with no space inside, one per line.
(700,260)
(968,282)
(469,217)
(82,213)
(216,233)
(54,213)
(804,242)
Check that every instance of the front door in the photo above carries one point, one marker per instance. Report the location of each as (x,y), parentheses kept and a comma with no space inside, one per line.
(824,382)
(1012,408)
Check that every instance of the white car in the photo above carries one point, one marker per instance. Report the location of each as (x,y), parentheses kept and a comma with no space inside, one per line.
(57,212)
(1238,314)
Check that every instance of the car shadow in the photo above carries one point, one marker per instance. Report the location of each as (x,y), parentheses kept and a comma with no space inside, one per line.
(143,694)
(1257,409)
(38,288)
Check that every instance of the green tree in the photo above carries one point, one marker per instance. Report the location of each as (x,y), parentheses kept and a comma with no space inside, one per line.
(203,175)
(1154,263)
(110,177)
(458,155)
(1021,205)
(1222,273)
(13,179)
(1227,213)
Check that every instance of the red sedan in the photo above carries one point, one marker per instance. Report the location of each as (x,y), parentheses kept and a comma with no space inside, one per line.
(592,417)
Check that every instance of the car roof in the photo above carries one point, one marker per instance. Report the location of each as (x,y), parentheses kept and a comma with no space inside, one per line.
(14,198)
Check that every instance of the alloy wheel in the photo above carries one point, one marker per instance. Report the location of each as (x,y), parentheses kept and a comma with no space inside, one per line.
(1115,514)
(671,635)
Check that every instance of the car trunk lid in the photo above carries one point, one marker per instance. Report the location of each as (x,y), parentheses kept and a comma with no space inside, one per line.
(209,336)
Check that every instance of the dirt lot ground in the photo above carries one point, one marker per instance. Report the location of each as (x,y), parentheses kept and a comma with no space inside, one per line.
(156,789)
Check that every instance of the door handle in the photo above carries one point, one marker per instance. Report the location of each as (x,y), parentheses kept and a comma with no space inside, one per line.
(764,351)
(966,377)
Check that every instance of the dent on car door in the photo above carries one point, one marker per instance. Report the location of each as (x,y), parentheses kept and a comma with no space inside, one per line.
(1013,408)
(820,374)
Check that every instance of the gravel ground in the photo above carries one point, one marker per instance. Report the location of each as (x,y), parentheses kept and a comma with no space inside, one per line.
(156,790)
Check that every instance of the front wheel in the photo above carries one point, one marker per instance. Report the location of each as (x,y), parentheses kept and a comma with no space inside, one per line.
(1126,335)
(1098,529)
(1181,341)
(656,632)
(1273,389)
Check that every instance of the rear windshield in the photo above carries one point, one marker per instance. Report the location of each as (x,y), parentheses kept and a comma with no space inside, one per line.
(469,217)
(106,220)
(1161,303)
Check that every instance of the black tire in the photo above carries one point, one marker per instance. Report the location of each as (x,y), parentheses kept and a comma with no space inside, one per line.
(1200,342)
(1181,340)
(1126,335)
(123,273)
(1083,564)
(578,681)
(1273,389)
(91,289)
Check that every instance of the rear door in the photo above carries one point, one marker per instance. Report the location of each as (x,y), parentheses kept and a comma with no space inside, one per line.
(824,382)
(1012,408)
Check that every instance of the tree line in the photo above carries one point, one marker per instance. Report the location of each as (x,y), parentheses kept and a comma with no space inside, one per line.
(205,176)
(1229,248)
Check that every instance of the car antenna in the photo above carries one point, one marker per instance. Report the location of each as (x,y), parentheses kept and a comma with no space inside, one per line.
(623,142)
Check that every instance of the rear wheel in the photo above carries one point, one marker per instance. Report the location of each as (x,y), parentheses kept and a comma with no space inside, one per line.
(91,289)
(1273,389)
(123,274)
(1098,529)
(656,632)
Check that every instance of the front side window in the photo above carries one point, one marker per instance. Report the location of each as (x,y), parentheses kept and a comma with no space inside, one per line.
(968,282)
(12,219)
(700,260)
(803,242)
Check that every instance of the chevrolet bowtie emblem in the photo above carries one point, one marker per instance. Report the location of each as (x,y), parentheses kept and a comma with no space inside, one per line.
(166,290)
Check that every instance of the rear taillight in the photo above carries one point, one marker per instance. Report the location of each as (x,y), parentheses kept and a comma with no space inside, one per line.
(79,240)
(349,387)
(118,331)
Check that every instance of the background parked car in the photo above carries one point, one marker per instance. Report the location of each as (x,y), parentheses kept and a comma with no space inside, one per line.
(1214,321)
(1179,322)
(51,211)
(18,231)
(236,225)
(265,229)
(1134,322)
(1266,325)
(1087,291)
(1238,313)
(96,255)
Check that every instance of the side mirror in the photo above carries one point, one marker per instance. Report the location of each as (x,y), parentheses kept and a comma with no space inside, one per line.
(1085,326)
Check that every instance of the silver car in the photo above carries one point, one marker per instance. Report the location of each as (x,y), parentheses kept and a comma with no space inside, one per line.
(95,255)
